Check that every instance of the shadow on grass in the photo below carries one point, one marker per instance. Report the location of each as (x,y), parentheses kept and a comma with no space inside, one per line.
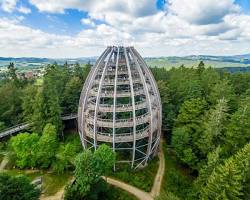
(141,178)
(177,179)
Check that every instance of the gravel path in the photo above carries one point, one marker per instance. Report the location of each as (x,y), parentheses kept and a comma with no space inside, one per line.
(155,191)
(56,196)
(140,194)
(4,163)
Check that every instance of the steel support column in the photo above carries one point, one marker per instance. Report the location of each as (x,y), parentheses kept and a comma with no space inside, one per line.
(156,91)
(114,100)
(98,97)
(149,105)
(133,104)
(85,91)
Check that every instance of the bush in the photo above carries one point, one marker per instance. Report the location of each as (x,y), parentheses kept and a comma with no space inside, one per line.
(178,183)
(100,190)
(119,194)
(97,191)
(167,196)
(25,147)
(31,150)
(17,188)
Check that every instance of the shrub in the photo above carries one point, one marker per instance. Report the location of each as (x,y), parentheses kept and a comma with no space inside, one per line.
(17,188)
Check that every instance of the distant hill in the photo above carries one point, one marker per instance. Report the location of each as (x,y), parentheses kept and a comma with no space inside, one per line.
(167,62)
(193,60)
(31,62)
(235,69)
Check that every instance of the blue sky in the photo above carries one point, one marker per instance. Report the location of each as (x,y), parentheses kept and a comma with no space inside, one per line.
(78,28)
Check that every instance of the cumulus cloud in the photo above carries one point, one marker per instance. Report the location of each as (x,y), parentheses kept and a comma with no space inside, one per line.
(11,5)
(180,19)
(202,12)
(183,27)
(24,10)
(88,21)
(135,8)
(34,42)
(8,5)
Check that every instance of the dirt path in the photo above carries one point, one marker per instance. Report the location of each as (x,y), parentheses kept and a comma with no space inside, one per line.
(155,191)
(4,163)
(140,194)
(56,196)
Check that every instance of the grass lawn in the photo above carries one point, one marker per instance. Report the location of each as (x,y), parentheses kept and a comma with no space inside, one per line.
(1,157)
(141,178)
(2,150)
(31,174)
(177,179)
(52,182)
(39,81)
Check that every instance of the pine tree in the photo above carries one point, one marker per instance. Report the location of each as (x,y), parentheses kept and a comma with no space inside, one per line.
(227,180)
(188,131)
(201,67)
(223,90)
(238,131)
(213,159)
(47,146)
(12,72)
(214,128)
(38,117)
(28,100)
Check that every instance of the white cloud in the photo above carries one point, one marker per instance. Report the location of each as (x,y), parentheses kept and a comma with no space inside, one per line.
(89,42)
(20,18)
(24,10)
(33,42)
(97,8)
(8,5)
(11,5)
(202,12)
(88,21)
(184,27)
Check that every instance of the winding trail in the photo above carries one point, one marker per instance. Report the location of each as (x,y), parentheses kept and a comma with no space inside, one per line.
(156,189)
(4,163)
(56,196)
(140,194)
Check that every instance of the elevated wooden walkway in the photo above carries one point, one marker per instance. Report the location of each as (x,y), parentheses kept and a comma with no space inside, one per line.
(23,126)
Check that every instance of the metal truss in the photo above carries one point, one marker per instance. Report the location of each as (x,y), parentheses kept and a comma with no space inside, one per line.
(120,105)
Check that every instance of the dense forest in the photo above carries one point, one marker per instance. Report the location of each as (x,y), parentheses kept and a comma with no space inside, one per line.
(206,126)
(26,100)
(206,122)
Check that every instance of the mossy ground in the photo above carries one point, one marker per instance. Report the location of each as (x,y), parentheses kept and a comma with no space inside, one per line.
(141,178)
(177,178)
(52,182)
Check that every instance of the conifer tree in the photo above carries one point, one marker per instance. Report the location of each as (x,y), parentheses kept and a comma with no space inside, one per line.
(214,127)
(228,179)
(238,131)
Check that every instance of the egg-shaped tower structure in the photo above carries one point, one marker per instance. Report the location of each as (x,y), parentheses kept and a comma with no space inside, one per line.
(120,105)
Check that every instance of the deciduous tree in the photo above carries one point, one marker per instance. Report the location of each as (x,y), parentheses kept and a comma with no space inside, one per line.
(18,188)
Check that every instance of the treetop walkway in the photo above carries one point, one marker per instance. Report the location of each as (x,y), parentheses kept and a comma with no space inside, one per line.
(17,128)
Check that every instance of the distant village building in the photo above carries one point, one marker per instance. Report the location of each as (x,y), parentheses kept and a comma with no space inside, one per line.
(29,75)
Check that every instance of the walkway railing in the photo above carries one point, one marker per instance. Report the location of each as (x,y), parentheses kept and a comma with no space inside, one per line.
(14,129)
(23,126)
(69,116)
